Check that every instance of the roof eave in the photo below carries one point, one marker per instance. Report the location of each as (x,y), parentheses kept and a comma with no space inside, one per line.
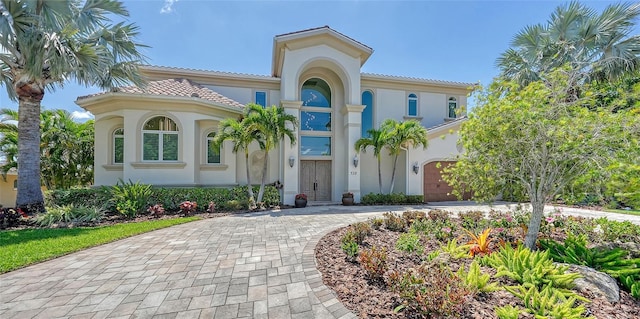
(88,101)
(398,79)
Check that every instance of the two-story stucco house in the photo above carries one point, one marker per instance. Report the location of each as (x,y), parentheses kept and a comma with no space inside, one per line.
(161,134)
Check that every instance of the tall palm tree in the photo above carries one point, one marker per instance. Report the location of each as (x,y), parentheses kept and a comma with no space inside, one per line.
(241,136)
(45,43)
(66,148)
(377,140)
(401,136)
(594,46)
(273,124)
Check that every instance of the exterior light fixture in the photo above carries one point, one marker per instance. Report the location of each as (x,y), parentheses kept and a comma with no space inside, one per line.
(292,160)
(355,160)
(416,168)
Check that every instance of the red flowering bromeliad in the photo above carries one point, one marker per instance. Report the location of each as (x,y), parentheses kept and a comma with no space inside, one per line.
(301,196)
(188,207)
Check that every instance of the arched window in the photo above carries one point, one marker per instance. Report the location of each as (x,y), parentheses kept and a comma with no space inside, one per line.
(367,113)
(213,153)
(118,146)
(453,107)
(316,93)
(412,105)
(315,118)
(160,139)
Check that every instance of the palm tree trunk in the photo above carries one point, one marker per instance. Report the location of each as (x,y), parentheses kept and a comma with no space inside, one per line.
(29,197)
(252,201)
(379,175)
(393,173)
(264,176)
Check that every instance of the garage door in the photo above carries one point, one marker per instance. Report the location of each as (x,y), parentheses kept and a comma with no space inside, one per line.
(434,188)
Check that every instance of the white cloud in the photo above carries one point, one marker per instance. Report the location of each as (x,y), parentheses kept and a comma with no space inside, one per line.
(168,6)
(77,115)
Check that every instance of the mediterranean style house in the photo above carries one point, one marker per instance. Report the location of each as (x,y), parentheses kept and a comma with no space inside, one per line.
(161,134)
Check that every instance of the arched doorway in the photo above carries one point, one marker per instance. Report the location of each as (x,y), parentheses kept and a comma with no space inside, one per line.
(434,188)
(316,139)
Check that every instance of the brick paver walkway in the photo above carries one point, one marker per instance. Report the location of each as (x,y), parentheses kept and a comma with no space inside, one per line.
(258,265)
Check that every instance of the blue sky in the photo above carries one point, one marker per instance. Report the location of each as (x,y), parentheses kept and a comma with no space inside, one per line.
(443,40)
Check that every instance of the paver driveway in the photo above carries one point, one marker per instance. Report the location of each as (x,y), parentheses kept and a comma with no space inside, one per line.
(258,265)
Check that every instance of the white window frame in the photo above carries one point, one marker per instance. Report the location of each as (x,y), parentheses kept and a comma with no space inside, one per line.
(206,146)
(161,134)
(115,136)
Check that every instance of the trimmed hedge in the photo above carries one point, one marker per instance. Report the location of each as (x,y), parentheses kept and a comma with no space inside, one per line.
(226,199)
(391,199)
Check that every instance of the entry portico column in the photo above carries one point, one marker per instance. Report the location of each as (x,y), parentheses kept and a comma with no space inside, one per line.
(290,178)
(352,132)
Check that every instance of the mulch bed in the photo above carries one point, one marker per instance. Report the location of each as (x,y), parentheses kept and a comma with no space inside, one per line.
(375,300)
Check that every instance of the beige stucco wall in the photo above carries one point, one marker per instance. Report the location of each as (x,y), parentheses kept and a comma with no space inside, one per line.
(7,192)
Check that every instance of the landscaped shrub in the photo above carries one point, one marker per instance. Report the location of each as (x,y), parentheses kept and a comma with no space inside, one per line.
(361,230)
(480,243)
(68,214)
(349,245)
(374,262)
(439,215)
(412,216)
(508,312)
(473,220)
(225,199)
(91,197)
(130,198)
(156,210)
(475,280)
(531,268)
(391,199)
(548,302)
(432,290)
(10,217)
(394,222)
(377,222)
(410,242)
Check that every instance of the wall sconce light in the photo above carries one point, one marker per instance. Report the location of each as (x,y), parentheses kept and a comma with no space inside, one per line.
(416,168)
(292,160)
(355,161)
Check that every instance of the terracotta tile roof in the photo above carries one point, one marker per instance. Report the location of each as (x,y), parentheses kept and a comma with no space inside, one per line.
(177,88)
(210,72)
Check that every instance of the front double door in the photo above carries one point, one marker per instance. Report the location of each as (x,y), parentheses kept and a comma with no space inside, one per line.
(316,180)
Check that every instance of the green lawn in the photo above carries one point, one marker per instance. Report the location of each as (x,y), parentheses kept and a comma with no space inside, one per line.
(19,248)
(622,211)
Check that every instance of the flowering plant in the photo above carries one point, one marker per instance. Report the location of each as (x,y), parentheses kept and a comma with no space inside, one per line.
(188,207)
(156,210)
(347,194)
(301,196)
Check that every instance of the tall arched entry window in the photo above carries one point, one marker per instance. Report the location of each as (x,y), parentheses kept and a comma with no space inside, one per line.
(316,139)
(367,113)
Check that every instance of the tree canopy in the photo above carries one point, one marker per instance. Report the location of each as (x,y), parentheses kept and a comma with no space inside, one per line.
(538,139)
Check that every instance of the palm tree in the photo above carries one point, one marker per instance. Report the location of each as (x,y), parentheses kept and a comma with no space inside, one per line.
(377,140)
(401,136)
(594,46)
(273,124)
(66,148)
(45,43)
(241,136)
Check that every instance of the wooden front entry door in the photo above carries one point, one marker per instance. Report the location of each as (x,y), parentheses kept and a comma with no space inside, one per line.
(315,180)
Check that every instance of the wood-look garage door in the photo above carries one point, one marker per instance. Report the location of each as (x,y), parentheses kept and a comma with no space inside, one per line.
(434,188)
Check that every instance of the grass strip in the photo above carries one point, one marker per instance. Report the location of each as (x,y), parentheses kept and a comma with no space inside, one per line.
(20,248)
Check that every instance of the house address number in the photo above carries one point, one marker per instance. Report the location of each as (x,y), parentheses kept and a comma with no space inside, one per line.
(353,173)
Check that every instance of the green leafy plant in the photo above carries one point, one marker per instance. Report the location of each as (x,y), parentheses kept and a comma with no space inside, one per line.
(349,245)
(68,214)
(508,312)
(361,230)
(416,287)
(394,222)
(410,242)
(549,302)
(439,215)
(374,262)
(130,198)
(530,268)
(456,251)
(475,279)
(376,223)
(473,220)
